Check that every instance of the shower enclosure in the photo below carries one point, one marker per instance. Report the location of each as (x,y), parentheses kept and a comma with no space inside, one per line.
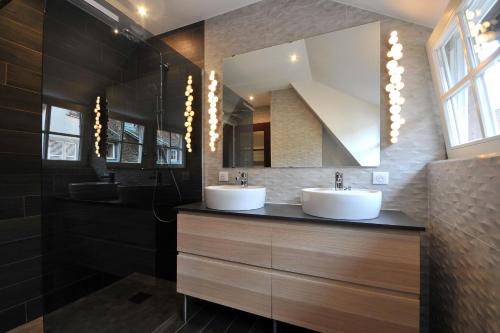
(109,222)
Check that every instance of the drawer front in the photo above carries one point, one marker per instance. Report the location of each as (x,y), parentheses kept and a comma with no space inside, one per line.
(382,258)
(226,238)
(329,306)
(235,285)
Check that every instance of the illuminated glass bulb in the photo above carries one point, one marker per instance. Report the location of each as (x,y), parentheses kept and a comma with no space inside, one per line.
(398,55)
(392,64)
(402,121)
(401,100)
(400,85)
(394,133)
(396,117)
(395,109)
(394,140)
(389,87)
(395,94)
(395,126)
(396,48)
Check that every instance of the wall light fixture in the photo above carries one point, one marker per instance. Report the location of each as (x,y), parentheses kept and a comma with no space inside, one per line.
(189,113)
(393,88)
(97,126)
(212,110)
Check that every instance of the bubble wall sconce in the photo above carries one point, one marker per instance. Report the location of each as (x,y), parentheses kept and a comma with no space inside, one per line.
(395,85)
(189,113)
(100,118)
(212,110)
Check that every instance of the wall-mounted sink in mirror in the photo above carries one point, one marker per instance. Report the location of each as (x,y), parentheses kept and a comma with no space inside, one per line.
(314,102)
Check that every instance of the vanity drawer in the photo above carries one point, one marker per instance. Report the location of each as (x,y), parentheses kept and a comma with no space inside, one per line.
(330,306)
(381,258)
(229,238)
(235,285)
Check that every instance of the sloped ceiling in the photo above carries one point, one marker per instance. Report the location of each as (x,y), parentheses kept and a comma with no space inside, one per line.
(168,15)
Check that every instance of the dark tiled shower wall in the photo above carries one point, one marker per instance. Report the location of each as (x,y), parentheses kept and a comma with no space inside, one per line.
(21,24)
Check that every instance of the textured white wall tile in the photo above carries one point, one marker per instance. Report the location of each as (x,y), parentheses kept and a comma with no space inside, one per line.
(273,22)
(464,197)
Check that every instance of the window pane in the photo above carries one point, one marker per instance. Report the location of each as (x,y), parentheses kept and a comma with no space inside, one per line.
(176,140)
(482,28)
(114,130)
(452,61)
(44,115)
(113,154)
(65,148)
(64,121)
(162,138)
(131,153)
(133,133)
(489,94)
(175,156)
(462,118)
(162,154)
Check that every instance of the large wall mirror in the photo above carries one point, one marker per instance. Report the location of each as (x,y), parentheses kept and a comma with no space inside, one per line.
(314,102)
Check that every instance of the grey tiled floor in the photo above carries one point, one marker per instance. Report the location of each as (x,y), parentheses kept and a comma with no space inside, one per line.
(110,311)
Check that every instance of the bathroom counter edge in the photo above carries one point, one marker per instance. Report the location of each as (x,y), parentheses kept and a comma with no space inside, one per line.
(388,219)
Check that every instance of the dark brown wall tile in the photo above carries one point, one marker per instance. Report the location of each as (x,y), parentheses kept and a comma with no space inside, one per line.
(26,12)
(19,142)
(18,55)
(3,71)
(18,33)
(19,99)
(20,120)
(23,78)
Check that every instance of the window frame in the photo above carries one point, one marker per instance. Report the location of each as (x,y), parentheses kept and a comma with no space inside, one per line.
(453,21)
(121,164)
(45,132)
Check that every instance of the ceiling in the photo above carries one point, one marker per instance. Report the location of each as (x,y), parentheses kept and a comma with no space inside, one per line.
(167,15)
(423,12)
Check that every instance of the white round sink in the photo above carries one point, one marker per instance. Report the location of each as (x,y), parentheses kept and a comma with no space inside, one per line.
(341,205)
(235,197)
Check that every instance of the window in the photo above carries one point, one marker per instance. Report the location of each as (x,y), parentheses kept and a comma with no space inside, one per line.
(169,148)
(125,142)
(61,133)
(466,56)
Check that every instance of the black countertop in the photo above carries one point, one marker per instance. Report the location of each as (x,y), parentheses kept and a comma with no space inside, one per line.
(391,219)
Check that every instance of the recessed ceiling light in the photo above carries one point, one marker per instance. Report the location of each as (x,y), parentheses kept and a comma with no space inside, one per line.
(142,11)
(116,31)
(293,58)
(251,98)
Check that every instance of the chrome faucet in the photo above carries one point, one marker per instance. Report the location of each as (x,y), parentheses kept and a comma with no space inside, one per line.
(339,181)
(243,178)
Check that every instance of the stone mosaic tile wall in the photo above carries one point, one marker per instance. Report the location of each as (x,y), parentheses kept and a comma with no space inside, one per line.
(273,22)
(464,200)
(296,133)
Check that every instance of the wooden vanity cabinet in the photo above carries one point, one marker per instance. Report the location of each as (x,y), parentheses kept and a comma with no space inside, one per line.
(329,278)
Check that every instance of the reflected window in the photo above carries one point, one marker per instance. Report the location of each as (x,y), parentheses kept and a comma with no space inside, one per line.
(61,133)
(169,148)
(125,142)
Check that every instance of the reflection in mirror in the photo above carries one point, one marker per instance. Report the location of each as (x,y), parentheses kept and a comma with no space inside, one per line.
(314,102)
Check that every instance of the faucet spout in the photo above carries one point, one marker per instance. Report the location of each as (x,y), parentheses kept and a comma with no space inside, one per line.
(339,181)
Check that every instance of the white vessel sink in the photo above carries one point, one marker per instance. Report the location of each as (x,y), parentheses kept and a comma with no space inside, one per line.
(341,205)
(235,197)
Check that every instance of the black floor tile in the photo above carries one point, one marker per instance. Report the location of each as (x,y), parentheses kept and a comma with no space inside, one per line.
(12,317)
(243,323)
(222,320)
